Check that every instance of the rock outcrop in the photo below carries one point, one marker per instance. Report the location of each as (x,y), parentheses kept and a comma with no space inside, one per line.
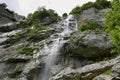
(116,72)
(88,45)
(8,16)
(87,72)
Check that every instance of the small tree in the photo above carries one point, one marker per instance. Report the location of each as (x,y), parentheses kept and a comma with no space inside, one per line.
(64,15)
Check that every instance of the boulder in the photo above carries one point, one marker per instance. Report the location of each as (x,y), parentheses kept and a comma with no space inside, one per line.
(88,45)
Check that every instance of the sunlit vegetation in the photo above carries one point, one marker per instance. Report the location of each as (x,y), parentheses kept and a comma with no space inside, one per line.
(99,4)
(90,25)
(112,24)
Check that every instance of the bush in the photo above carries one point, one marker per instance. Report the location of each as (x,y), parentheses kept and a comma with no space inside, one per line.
(99,4)
(42,13)
(64,15)
(76,10)
(90,25)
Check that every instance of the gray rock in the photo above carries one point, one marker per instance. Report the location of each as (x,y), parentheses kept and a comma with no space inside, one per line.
(103,77)
(87,72)
(88,45)
(116,72)
(93,14)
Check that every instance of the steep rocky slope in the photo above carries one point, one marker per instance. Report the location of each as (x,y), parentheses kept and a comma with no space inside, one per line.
(85,56)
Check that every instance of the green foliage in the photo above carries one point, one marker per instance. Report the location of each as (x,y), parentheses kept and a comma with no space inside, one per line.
(112,24)
(11,79)
(87,5)
(99,4)
(90,25)
(38,33)
(90,62)
(64,15)
(107,72)
(42,13)
(72,77)
(26,50)
(76,10)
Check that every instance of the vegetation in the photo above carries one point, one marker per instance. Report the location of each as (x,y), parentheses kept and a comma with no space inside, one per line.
(107,72)
(27,50)
(72,77)
(64,15)
(11,79)
(90,25)
(3,5)
(99,4)
(40,15)
(112,24)
(36,34)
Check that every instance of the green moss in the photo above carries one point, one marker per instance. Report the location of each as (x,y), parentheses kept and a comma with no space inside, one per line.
(72,77)
(27,50)
(90,62)
(11,79)
(107,72)
(90,25)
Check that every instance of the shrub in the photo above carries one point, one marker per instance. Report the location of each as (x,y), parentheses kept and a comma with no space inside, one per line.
(42,13)
(99,4)
(64,15)
(90,25)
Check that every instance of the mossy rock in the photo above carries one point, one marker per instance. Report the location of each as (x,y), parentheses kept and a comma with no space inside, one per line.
(75,76)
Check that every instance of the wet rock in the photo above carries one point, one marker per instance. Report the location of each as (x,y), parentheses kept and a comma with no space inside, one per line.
(116,72)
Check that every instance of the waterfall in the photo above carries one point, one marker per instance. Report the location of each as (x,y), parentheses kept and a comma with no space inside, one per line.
(69,26)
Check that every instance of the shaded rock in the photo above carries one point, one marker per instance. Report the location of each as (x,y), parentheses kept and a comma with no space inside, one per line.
(116,72)
(12,26)
(18,58)
(8,16)
(5,36)
(87,72)
(88,45)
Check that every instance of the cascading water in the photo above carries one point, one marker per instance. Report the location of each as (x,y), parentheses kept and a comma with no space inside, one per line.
(69,26)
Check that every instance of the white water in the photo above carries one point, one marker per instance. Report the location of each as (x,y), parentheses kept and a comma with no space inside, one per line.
(70,25)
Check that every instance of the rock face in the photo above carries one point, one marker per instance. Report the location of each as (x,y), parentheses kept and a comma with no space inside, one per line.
(116,72)
(71,64)
(92,14)
(7,16)
(88,45)
(87,72)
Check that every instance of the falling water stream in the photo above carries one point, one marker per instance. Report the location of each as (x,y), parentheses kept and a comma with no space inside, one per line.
(69,26)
